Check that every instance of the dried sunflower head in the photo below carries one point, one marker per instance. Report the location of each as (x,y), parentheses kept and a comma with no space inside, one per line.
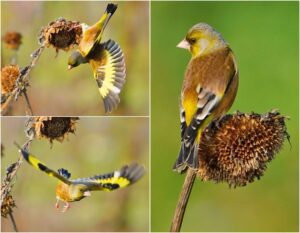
(12,40)
(9,75)
(61,34)
(7,205)
(237,149)
(51,128)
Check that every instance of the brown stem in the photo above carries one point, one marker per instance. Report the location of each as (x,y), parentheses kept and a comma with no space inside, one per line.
(13,221)
(28,103)
(183,200)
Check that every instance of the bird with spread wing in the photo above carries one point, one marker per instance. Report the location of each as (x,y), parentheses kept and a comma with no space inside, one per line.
(68,190)
(106,59)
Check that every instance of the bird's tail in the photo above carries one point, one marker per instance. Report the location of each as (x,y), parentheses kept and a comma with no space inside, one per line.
(188,157)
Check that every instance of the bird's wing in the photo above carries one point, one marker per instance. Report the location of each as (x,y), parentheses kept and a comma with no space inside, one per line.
(188,154)
(110,75)
(42,167)
(127,175)
(93,34)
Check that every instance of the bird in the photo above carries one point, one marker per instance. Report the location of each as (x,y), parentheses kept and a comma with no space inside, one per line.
(107,59)
(208,91)
(68,190)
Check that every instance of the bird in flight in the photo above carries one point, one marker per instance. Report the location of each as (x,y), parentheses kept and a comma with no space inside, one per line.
(106,59)
(68,190)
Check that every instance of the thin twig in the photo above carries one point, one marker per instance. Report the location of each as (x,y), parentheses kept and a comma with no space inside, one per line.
(13,221)
(183,200)
(11,172)
(28,102)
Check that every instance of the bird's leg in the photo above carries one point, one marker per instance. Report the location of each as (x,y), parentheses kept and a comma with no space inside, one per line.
(66,207)
(57,204)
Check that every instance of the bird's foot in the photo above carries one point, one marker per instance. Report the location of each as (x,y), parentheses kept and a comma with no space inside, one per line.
(57,205)
(66,207)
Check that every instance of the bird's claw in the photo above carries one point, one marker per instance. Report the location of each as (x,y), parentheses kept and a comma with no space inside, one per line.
(66,207)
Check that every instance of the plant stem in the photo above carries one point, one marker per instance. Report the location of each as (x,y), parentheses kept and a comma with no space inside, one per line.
(28,103)
(183,200)
(13,221)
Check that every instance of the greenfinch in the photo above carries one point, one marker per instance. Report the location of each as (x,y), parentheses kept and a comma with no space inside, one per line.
(106,59)
(68,190)
(208,91)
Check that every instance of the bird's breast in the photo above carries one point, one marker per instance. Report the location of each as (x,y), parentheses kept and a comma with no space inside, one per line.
(63,192)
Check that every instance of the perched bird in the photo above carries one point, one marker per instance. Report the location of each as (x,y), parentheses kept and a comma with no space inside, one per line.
(68,190)
(106,59)
(209,89)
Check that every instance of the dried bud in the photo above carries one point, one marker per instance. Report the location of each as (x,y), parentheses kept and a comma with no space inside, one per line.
(238,147)
(51,128)
(61,34)
(12,40)
(7,205)
(9,75)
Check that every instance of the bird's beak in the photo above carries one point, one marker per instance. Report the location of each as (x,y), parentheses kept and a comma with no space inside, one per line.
(70,67)
(184,45)
(87,194)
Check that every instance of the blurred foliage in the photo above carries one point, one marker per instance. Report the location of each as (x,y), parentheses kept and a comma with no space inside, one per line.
(57,91)
(100,145)
(264,38)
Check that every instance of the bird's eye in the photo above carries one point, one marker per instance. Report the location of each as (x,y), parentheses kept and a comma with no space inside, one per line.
(192,41)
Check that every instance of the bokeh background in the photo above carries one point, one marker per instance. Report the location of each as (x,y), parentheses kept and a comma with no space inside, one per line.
(264,38)
(100,145)
(57,91)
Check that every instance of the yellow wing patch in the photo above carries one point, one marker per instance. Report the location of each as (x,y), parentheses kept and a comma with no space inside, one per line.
(127,175)
(110,76)
(32,160)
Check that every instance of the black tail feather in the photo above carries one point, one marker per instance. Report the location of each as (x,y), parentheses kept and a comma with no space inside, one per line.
(187,158)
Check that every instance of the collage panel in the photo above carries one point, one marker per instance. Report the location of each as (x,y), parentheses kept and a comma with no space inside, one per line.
(187,48)
(98,169)
(149,116)
(80,58)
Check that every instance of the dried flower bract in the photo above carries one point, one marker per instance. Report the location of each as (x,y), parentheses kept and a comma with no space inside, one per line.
(9,75)
(51,128)
(237,148)
(7,205)
(61,34)
(12,40)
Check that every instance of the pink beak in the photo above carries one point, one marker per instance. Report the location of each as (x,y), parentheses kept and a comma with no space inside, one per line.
(70,67)
(184,45)
(87,194)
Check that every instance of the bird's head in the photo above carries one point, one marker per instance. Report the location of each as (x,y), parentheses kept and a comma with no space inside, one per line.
(79,191)
(75,59)
(202,39)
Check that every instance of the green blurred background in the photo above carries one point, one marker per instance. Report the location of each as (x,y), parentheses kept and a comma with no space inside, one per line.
(100,145)
(264,38)
(55,90)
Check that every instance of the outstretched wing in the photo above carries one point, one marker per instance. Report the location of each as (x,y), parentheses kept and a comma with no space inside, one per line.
(127,175)
(110,75)
(92,35)
(42,167)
